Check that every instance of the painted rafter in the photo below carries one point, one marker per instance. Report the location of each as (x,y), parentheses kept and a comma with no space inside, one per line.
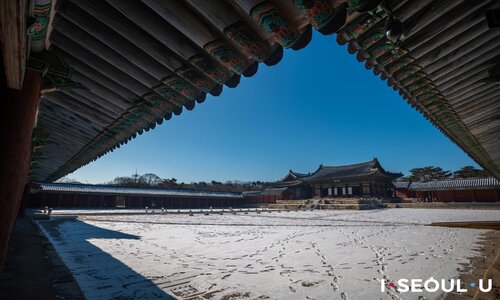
(210,43)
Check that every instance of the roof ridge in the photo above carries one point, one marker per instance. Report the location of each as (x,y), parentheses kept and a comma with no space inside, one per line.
(357,164)
(458,179)
(88,185)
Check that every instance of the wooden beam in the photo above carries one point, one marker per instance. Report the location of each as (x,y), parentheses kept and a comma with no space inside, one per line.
(93,116)
(203,34)
(130,31)
(411,8)
(248,38)
(127,29)
(473,76)
(62,136)
(92,99)
(46,116)
(14,41)
(463,101)
(453,37)
(485,55)
(69,123)
(437,20)
(64,125)
(174,40)
(105,35)
(17,119)
(66,46)
(88,42)
(109,83)
(103,91)
(462,56)
(106,113)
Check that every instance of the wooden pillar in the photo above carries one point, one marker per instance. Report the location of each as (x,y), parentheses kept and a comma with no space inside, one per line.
(17,119)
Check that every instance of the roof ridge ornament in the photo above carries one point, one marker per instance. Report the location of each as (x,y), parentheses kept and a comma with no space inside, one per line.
(272,21)
(322,15)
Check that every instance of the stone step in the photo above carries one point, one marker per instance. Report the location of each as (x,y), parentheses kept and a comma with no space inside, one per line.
(354,206)
(329,201)
(290,201)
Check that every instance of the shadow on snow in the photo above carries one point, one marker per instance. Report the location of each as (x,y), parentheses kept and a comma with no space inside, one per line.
(99,274)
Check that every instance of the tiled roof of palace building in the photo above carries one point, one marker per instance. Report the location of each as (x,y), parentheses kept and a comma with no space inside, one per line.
(362,169)
(299,175)
(121,190)
(401,184)
(451,184)
(289,183)
(294,176)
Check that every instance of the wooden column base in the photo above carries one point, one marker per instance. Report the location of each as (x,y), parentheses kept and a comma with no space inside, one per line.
(17,118)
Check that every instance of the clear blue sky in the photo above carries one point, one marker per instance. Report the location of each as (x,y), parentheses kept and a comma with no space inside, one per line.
(318,105)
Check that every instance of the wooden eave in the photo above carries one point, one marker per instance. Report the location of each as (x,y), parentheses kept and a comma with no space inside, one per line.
(140,63)
(441,68)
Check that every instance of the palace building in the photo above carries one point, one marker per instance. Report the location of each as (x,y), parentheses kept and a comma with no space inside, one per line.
(101,196)
(367,179)
(451,190)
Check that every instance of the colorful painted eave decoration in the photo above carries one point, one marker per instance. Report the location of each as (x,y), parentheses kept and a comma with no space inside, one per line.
(223,65)
(239,48)
(398,67)
(38,30)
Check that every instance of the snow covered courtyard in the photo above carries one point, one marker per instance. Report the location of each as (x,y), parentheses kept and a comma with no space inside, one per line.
(271,255)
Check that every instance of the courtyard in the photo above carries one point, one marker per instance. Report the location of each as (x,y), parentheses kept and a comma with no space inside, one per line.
(264,255)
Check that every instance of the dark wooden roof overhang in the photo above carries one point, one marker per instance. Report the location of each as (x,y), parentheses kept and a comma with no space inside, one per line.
(442,67)
(135,63)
